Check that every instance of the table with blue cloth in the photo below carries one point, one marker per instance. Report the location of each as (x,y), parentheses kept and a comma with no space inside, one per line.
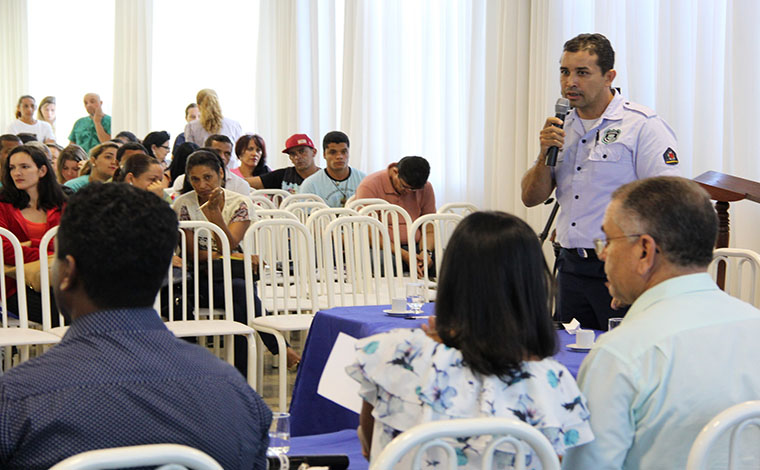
(311,413)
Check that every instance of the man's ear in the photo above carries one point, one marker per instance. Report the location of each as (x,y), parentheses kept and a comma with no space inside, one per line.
(67,275)
(647,249)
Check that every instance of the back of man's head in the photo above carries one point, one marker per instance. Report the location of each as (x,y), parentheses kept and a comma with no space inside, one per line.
(596,44)
(335,137)
(217,138)
(135,147)
(414,171)
(676,212)
(122,240)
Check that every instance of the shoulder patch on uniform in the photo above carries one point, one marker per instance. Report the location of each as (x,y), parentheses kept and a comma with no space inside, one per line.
(670,157)
(640,108)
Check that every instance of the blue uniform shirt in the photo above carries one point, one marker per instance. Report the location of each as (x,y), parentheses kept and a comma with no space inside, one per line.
(629,142)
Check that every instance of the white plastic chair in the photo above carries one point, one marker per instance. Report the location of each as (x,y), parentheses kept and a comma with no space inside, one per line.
(461,208)
(517,434)
(300,197)
(47,313)
(263,202)
(398,221)
(357,204)
(287,284)
(273,214)
(207,321)
(354,272)
(303,209)
(316,224)
(736,419)
(139,456)
(18,333)
(742,267)
(275,195)
(443,226)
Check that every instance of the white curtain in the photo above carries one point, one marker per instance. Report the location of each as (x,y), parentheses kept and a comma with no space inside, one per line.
(14,63)
(132,66)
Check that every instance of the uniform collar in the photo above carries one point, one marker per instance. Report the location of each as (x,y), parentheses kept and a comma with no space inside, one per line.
(613,112)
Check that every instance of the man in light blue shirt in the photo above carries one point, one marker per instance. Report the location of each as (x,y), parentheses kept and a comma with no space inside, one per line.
(338,181)
(684,352)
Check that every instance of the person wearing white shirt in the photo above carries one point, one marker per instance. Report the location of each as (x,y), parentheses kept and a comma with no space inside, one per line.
(26,124)
(685,351)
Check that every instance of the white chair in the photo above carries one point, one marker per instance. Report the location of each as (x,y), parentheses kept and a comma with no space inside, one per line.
(398,221)
(442,226)
(461,208)
(357,204)
(275,195)
(506,432)
(47,313)
(17,333)
(287,283)
(207,321)
(140,456)
(354,272)
(273,214)
(316,225)
(303,209)
(736,419)
(263,202)
(742,268)
(300,197)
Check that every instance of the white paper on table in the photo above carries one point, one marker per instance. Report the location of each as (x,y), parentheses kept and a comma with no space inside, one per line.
(572,327)
(335,384)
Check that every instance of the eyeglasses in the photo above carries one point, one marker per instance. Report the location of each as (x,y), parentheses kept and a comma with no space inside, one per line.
(404,186)
(165,147)
(601,243)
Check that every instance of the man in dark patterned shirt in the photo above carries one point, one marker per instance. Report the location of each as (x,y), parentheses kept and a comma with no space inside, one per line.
(119,377)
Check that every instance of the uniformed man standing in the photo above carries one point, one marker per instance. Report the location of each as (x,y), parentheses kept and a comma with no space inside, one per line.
(606,142)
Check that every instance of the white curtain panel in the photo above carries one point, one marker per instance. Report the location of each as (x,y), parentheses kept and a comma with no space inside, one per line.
(133,63)
(14,64)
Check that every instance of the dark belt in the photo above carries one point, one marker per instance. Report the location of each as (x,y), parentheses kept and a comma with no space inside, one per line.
(584,253)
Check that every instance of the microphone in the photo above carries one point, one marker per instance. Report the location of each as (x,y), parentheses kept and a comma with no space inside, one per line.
(334,462)
(561,108)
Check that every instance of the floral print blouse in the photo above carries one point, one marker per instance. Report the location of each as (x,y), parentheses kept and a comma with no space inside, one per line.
(410,379)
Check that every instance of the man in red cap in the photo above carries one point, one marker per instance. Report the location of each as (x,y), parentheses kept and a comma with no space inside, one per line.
(301,150)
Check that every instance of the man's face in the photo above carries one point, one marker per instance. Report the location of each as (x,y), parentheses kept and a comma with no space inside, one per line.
(399,185)
(224,149)
(5,147)
(621,258)
(302,157)
(92,103)
(582,81)
(336,156)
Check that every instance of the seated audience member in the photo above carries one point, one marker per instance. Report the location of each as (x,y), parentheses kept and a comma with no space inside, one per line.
(338,181)
(42,148)
(93,129)
(46,111)
(211,121)
(157,145)
(301,151)
(71,160)
(25,122)
(7,143)
(685,350)
(191,114)
(222,146)
(27,137)
(126,137)
(252,153)
(55,152)
(31,203)
(127,150)
(204,198)
(119,377)
(179,160)
(143,172)
(102,163)
(488,352)
(405,184)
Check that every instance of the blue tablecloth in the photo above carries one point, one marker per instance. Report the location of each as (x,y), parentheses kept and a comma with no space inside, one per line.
(341,442)
(313,414)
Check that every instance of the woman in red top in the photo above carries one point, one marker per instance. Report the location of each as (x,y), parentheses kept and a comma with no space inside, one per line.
(31,202)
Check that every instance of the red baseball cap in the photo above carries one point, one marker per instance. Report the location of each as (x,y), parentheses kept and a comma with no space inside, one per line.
(298,140)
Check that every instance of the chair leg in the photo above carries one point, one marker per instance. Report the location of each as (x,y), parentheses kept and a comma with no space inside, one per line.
(252,356)
(260,363)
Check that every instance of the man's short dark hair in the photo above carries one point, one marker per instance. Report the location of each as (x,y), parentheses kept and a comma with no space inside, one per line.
(335,137)
(595,44)
(128,136)
(26,137)
(10,138)
(129,146)
(122,239)
(677,213)
(414,171)
(217,138)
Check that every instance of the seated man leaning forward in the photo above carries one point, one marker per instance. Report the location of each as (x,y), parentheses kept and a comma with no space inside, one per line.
(338,181)
(405,184)
(119,377)
(684,352)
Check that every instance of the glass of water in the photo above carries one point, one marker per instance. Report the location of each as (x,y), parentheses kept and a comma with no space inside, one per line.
(279,433)
(415,296)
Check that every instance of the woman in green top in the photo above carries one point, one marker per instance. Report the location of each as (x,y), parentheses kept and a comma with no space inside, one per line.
(103,164)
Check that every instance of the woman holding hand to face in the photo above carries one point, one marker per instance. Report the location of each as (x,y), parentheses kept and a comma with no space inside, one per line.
(143,172)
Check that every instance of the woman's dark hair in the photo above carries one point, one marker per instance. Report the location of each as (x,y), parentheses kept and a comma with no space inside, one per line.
(155,138)
(179,159)
(242,144)
(50,194)
(494,295)
(128,136)
(136,164)
(206,157)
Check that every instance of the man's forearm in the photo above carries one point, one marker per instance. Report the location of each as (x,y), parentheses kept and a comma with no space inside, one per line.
(103,136)
(537,183)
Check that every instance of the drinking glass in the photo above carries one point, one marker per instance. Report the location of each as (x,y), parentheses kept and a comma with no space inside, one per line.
(415,297)
(279,433)
(613,323)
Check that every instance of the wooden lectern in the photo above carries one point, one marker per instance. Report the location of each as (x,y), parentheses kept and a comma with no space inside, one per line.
(725,189)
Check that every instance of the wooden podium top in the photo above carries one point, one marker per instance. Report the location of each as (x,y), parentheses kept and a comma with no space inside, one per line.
(728,188)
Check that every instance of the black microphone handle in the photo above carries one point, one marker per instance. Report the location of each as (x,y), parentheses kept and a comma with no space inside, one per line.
(551,154)
(335,462)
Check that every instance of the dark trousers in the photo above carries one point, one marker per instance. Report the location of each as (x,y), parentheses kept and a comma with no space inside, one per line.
(34,306)
(582,292)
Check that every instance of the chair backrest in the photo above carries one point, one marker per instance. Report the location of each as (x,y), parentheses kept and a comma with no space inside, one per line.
(356,273)
(264,214)
(461,208)
(316,224)
(47,313)
(505,431)
(139,456)
(275,195)
(303,209)
(6,236)
(300,197)
(287,269)
(441,226)
(742,269)
(357,204)
(397,219)
(736,419)
(263,202)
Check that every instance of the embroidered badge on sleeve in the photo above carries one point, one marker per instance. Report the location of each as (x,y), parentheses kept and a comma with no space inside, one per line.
(670,157)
